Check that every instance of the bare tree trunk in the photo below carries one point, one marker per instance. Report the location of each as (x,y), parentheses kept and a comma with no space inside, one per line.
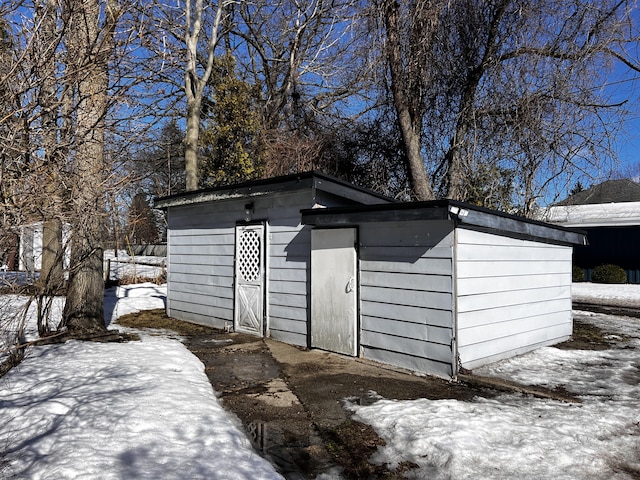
(191,142)
(84,307)
(470,48)
(51,274)
(51,271)
(194,84)
(408,110)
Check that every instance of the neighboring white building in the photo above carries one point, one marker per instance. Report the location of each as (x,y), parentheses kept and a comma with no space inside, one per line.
(30,253)
(609,213)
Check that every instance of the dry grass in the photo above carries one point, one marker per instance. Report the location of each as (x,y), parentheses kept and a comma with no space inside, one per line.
(158,319)
(589,337)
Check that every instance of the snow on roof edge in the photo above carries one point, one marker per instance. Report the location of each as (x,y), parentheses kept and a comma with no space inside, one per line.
(591,215)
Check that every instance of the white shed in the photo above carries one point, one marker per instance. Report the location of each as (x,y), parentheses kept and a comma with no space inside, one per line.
(313,261)
(445,285)
(30,250)
(239,256)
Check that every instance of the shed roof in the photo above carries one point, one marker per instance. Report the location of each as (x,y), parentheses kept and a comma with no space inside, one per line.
(611,191)
(462,214)
(308,180)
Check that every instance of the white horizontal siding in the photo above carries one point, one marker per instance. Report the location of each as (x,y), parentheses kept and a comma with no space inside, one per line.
(400,328)
(297,314)
(200,249)
(415,363)
(406,294)
(405,313)
(505,347)
(214,277)
(477,285)
(532,296)
(480,334)
(422,282)
(408,346)
(492,268)
(211,317)
(203,237)
(203,270)
(208,250)
(512,295)
(221,300)
(412,298)
(288,281)
(487,317)
(390,260)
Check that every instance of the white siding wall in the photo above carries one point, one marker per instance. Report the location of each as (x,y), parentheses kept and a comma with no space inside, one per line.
(201,242)
(513,296)
(289,263)
(288,283)
(200,250)
(406,294)
(31,247)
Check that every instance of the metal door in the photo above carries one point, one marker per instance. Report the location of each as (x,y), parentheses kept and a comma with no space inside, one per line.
(249,291)
(334,290)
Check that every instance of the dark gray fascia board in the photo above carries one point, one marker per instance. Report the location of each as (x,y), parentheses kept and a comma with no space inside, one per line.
(518,227)
(386,212)
(288,183)
(463,214)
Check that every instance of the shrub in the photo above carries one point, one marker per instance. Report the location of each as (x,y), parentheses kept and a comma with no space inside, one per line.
(577,274)
(608,274)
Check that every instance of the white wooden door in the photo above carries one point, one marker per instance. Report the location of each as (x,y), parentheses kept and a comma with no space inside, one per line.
(250,279)
(334,325)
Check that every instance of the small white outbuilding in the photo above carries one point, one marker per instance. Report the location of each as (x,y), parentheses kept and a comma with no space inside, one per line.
(313,261)
(31,246)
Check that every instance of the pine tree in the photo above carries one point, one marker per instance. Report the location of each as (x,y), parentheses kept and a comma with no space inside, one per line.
(142,223)
(230,140)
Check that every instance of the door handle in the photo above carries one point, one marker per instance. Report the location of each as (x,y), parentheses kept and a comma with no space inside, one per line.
(349,287)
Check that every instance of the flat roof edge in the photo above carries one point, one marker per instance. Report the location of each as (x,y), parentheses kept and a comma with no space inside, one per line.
(282,184)
(463,214)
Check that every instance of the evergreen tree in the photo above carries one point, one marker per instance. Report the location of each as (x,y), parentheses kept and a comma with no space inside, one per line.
(577,188)
(142,222)
(160,166)
(231,138)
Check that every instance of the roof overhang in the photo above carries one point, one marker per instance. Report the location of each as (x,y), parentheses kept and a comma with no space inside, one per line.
(462,214)
(257,188)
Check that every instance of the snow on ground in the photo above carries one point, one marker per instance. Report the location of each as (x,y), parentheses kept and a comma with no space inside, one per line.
(145,410)
(516,436)
(621,295)
(136,410)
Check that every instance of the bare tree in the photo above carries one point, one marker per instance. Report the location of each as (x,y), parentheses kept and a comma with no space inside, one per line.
(9,150)
(158,165)
(298,55)
(90,44)
(195,78)
(517,86)
(302,54)
(51,278)
(410,79)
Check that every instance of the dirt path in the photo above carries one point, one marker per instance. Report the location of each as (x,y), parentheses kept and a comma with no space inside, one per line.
(290,400)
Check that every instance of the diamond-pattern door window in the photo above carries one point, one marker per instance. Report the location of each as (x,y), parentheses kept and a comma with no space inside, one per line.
(249,261)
